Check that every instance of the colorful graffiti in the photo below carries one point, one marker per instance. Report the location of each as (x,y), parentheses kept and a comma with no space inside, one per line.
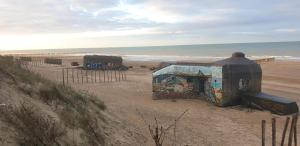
(94,65)
(215,88)
(189,80)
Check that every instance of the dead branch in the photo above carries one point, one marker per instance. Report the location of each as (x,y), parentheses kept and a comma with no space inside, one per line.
(158,132)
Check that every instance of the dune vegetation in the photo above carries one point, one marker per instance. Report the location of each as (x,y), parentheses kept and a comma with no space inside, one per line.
(35,111)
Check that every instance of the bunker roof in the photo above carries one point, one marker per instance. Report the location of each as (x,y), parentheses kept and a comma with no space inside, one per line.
(102,58)
(185,70)
(236,58)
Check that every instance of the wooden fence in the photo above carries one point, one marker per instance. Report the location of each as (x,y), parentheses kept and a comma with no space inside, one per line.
(80,76)
(36,62)
(292,133)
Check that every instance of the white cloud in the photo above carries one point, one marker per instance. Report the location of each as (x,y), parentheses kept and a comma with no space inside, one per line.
(287,30)
(187,20)
(148,12)
(248,33)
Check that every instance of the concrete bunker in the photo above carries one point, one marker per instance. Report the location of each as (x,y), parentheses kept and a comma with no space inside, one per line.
(96,62)
(232,81)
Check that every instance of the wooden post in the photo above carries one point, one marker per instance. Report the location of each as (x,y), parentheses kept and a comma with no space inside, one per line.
(99,77)
(119,76)
(95,73)
(73,75)
(263,131)
(81,76)
(67,75)
(92,76)
(107,75)
(111,75)
(86,76)
(104,75)
(125,75)
(291,132)
(115,74)
(295,130)
(273,132)
(77,76)
(284,130)
(63,76)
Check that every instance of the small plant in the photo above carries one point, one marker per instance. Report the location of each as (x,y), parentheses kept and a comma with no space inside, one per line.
(159,132)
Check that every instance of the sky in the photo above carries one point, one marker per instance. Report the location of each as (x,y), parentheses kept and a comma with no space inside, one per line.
(47,24)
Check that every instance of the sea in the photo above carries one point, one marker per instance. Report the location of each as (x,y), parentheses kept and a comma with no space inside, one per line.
(277,50)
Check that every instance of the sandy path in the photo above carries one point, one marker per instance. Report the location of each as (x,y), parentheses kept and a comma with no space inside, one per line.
(204,124)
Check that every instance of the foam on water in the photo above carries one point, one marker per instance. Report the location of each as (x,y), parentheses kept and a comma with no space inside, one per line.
(182,58)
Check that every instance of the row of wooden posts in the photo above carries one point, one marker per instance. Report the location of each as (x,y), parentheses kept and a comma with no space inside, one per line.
(292,132)
(80,76)
(35,63)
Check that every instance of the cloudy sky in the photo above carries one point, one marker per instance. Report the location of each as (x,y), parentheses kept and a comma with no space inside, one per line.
(37,24)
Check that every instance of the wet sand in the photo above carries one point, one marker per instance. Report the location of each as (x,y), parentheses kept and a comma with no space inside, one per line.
(203,124)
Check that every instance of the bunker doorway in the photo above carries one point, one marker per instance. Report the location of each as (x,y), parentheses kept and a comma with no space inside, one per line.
(198,85)
(202,81)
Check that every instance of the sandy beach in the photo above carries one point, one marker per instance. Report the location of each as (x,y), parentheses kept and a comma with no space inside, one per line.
(203,124)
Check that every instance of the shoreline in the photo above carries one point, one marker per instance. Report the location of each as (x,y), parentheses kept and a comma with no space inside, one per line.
(159,58)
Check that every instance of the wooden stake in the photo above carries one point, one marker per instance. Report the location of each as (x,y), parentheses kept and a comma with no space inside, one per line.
(284,130)
(92,76)
(125,75)
(73,75)
(86,76)
(273,132)
(263,131)
(67,75)
(77,76)
(295,130)
(81,76)
(95,73)
(63,76)
(291,132)
(111,75)
(99,73)
(115,74)
(104,76)
(119,76)
(107,73)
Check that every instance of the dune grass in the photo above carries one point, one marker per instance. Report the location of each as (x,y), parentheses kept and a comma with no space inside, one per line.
(76,110)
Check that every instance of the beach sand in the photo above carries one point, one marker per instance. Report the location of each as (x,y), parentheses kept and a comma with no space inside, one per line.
(203,124)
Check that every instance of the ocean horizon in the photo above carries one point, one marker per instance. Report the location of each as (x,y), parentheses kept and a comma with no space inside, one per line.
(278,50)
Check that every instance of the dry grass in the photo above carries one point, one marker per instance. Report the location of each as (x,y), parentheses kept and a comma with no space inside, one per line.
(76,110)
(31,127)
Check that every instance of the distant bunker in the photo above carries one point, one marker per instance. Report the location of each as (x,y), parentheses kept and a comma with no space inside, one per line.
(232,81)
(53,61)
(95,62)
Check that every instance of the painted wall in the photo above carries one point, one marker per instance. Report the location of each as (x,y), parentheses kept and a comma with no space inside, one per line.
(180,84)
(170,86)
(93,65)
(216,84)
